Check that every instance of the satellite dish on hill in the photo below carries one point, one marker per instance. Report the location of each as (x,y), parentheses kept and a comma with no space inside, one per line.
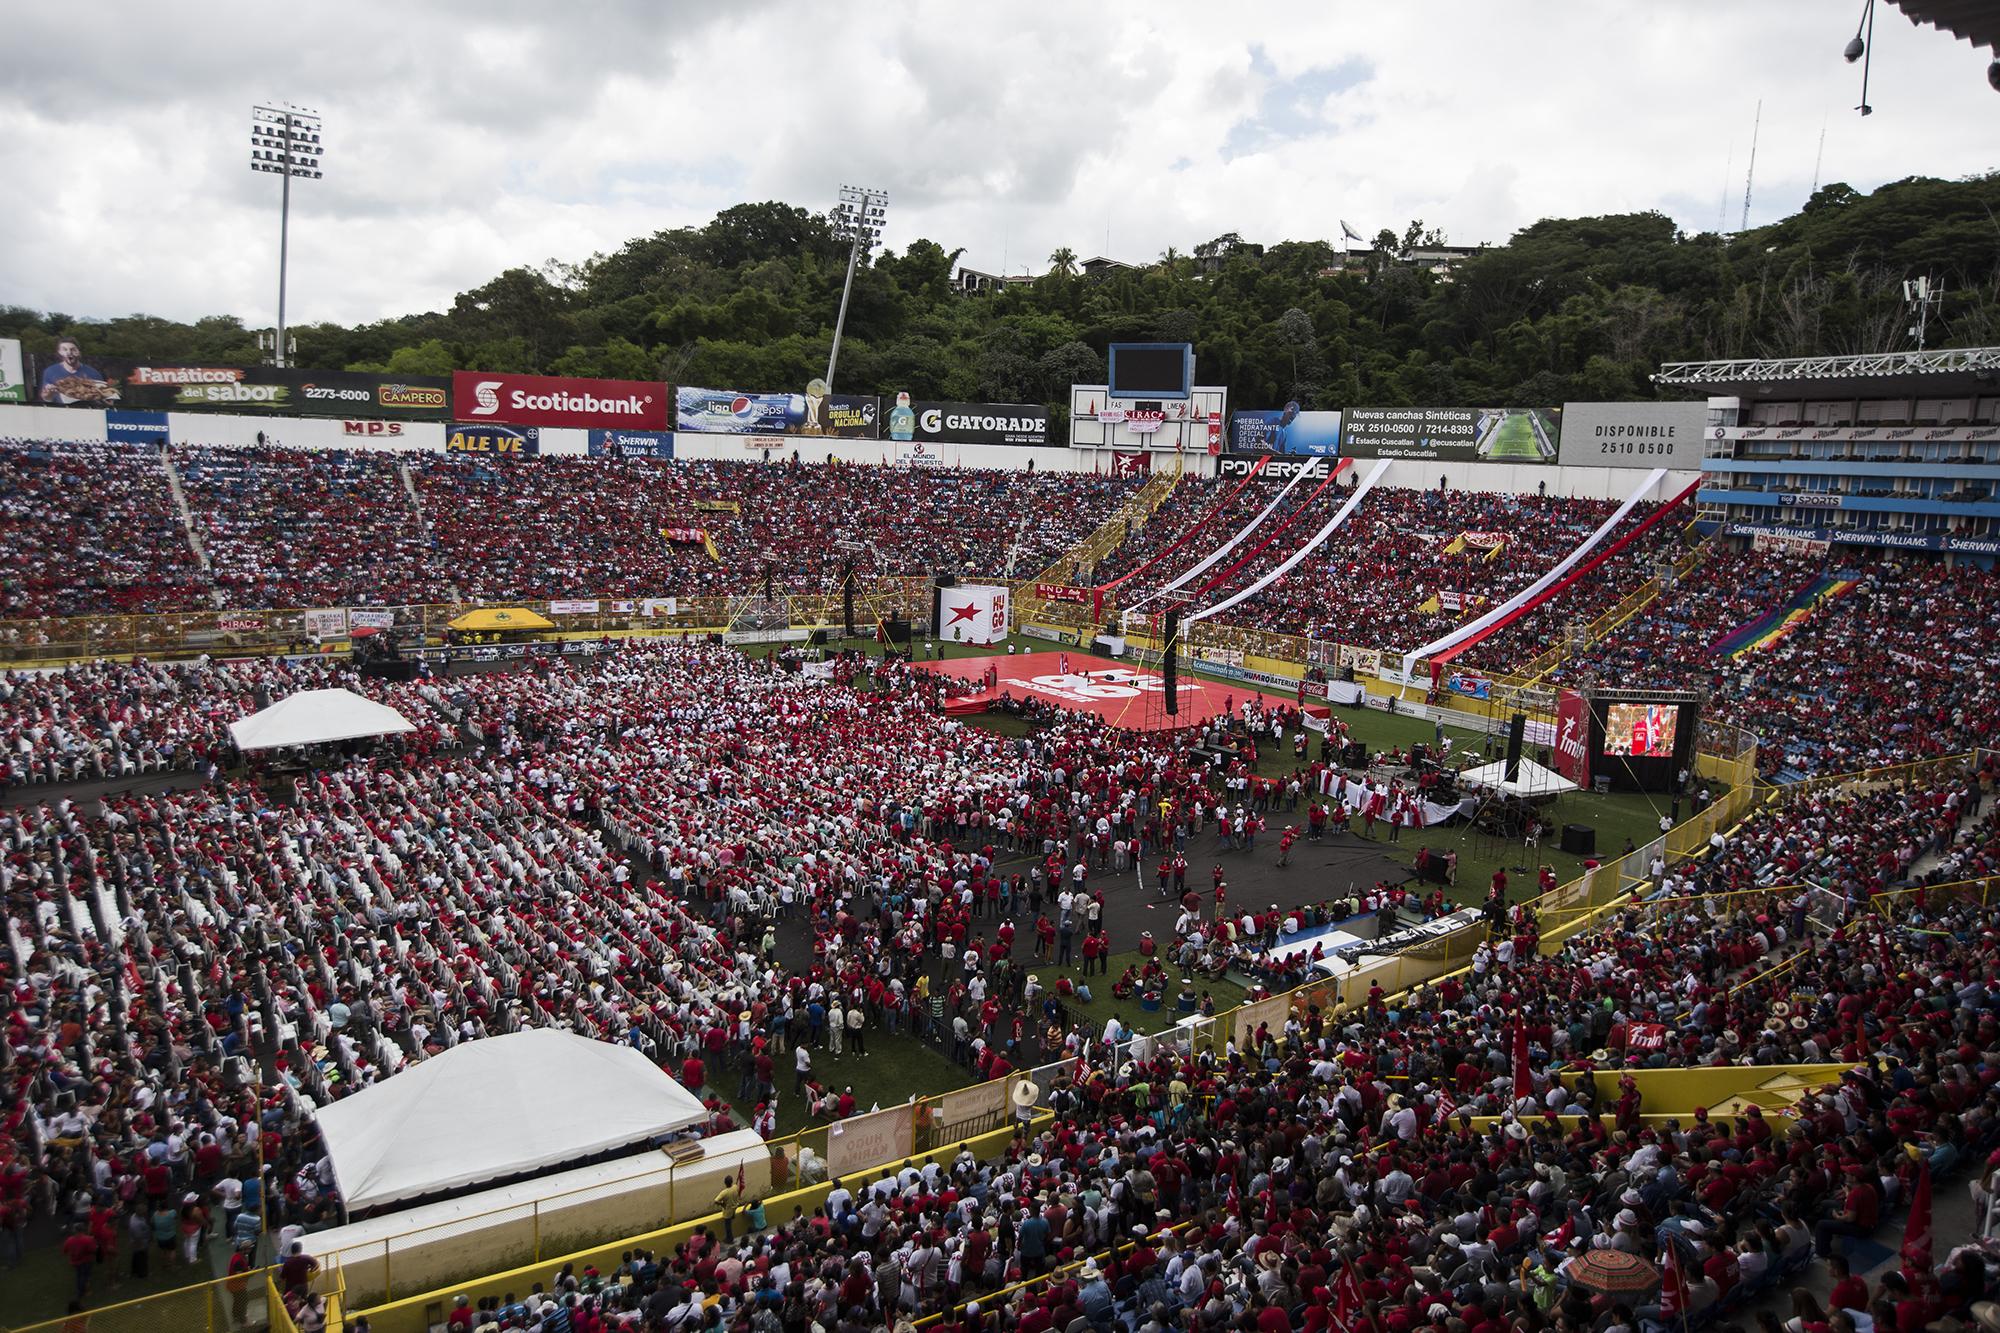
(1348,232)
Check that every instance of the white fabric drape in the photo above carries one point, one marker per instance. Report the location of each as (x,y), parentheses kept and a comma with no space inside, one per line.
(1233,542)
(1291,561)
(1473,627)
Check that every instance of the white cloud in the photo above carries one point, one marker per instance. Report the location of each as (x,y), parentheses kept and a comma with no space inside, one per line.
(466,138)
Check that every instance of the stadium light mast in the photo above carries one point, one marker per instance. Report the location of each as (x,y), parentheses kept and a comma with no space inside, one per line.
(859,217)
(284,139)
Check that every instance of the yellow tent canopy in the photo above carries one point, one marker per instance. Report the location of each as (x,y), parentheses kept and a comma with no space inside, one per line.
(502,617)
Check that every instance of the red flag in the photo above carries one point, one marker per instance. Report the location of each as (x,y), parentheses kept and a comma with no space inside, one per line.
(1673,1287)
(1446,1105)
(1347,1299)
(1917,1231)
(1524,1084)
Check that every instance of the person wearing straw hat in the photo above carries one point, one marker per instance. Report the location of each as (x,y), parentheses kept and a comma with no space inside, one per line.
(1024,1096)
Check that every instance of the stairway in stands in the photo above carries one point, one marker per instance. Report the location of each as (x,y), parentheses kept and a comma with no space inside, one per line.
(423,523)
(187,522)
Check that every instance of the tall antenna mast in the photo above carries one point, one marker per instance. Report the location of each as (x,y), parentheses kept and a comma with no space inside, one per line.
(1722,201)
(1819,157)
(1750,179)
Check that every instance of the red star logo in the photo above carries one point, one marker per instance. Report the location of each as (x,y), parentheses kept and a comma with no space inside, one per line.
(967,612)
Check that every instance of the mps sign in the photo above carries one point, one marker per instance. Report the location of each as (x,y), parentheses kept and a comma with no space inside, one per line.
(1645,435)
(558,400)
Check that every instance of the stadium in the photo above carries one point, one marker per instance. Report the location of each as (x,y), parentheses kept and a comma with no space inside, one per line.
(504,833)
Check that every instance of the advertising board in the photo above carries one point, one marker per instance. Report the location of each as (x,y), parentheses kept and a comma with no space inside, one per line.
(474,437)
(968,423)
(1907,541)
(1231,467)
(1289,430)
(13,381)
(130,427)
(558,400)
(604,443)
(70,379)
(1644,435)
(1453,434)
(732,412)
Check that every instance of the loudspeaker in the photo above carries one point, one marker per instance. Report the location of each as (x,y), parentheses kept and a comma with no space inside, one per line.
(1517,731)
(1347,675)
(897,631)
(1355,755)
(1170,671)
(396,669)
(818,638)
(1579,839)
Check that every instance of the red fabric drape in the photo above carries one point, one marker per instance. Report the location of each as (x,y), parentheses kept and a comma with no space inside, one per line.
(1290,519)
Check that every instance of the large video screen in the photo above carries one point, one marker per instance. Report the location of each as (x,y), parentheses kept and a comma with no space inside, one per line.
(1641,731)
(1151,370)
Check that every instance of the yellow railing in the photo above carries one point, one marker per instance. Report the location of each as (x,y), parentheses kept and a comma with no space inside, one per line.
(221,1305)
(413,1314)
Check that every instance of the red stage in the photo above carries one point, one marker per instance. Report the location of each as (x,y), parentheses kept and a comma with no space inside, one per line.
(1126,697)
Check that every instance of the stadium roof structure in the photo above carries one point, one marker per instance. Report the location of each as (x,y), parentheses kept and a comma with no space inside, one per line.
(497,1108)
(1939,371)
(1975,21)
(317,717)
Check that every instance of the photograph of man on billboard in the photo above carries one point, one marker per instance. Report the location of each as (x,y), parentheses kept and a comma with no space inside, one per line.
(70,380)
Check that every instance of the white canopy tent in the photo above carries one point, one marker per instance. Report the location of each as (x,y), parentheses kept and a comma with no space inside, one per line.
(314,717)
(497,1107)
(1532,780)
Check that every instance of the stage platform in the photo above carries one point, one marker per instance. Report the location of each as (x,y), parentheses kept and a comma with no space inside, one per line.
(1124,696)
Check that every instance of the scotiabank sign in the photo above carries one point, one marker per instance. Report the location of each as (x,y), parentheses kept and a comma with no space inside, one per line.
(558,400)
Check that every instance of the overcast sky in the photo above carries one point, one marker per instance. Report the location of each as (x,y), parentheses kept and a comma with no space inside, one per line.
(465,138)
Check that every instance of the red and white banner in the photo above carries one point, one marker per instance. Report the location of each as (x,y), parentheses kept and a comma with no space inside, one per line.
(1062,592)
(1145,422)
(1646,1037)
(1572,747)
(558,400)
(1131,465)
(973,613)
(685,536)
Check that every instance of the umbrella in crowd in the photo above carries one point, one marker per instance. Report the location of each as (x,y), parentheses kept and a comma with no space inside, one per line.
(1613,1271)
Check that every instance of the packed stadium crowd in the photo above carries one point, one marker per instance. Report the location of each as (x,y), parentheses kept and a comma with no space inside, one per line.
(94,528)
(1902,667)
(747,873)
(91,529)
(1373,583)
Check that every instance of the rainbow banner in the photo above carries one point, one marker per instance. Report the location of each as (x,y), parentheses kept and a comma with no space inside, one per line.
(1767,629)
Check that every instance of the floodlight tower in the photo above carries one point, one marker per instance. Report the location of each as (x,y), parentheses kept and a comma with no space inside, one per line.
(859,216)
(284,139)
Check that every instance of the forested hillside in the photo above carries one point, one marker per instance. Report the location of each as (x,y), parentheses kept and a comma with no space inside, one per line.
(1567,308)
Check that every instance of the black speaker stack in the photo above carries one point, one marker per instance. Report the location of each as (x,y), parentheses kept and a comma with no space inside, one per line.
(1517,732)
(1170,670)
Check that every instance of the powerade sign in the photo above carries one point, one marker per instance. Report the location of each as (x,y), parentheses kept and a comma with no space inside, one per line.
(968,423)
(1232,468)
(1287,431)
(483,437)
(125,426)
(1905,541)
(631,444)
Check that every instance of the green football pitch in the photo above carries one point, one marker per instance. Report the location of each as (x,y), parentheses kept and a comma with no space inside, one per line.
(1515,439)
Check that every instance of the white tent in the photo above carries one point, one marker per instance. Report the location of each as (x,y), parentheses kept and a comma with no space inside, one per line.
(316,716)
(1532,780)
(499,1106)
